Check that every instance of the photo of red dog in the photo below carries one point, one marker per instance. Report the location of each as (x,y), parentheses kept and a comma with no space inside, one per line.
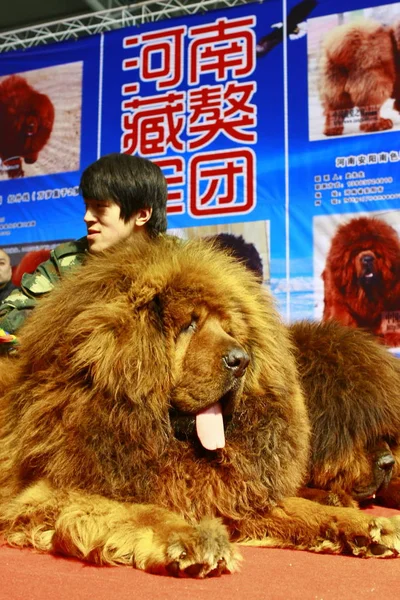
(26,123)
(359,70)
(362,278)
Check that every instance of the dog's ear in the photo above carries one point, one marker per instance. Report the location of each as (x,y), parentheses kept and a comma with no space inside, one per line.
(156,306)
(144,295)
(147,304)
(119,346)
(113,359)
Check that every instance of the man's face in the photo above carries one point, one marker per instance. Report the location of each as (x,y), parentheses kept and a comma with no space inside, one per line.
(5,268)
(104,225)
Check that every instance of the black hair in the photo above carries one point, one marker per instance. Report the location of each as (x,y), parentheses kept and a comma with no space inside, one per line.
(131,182)
(243,251)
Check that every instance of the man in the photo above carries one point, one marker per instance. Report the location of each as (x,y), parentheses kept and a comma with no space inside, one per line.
(124,196)
(6,285)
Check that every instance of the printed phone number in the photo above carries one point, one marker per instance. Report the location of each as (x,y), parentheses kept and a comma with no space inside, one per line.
(69,192)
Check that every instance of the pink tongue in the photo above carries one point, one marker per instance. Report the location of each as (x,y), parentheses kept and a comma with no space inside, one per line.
(210,427)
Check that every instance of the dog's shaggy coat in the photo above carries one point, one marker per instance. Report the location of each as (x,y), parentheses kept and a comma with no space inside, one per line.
(351,386)
(362,277)
(359,67)
(99,456)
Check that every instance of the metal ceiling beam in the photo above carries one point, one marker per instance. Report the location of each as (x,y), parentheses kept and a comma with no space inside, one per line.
(105,20)
(95,4)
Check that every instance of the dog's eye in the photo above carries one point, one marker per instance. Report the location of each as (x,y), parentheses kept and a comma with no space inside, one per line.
(190,327)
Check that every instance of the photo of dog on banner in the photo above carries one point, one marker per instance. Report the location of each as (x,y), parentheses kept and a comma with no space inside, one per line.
(157,412)
(40,112)
(353,72)
(356,263)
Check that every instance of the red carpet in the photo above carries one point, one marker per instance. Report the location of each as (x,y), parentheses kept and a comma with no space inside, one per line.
(265,574)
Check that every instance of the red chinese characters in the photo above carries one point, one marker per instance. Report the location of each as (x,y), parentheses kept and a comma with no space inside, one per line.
(224,48)
(154,124)
(222,183)
(166,122)
(167,46)
(221,109)
(174,171)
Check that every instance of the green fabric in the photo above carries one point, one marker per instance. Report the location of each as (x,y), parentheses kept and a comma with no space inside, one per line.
(19,304)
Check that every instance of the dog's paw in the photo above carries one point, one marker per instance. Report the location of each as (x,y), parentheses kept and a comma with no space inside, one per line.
(379,124)
(383,540)
(338,130)
(205,551)
(200,551)
(386,531)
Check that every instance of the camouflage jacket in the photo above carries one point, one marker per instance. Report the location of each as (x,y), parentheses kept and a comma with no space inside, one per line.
(18,305)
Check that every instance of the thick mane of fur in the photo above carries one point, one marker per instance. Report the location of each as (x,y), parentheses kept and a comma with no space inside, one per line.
(358,418)
(96,383)
(362,234)
(348,297)
(352,389)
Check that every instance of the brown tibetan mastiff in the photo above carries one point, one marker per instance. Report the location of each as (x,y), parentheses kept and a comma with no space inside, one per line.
(362,278)
(359,69)
(160,419)
(351,386)
(26,122)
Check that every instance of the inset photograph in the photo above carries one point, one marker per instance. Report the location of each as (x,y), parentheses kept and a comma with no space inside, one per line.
(353,72)
(357,271)
(40,121)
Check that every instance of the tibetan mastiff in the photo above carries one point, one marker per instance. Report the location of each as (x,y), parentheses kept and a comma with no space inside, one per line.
(160,419)
(359,68)
(26,123)
(351,386)
(362,278)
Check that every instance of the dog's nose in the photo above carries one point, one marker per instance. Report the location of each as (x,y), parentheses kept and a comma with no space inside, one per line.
(386,462)
(367,260)
(237,360)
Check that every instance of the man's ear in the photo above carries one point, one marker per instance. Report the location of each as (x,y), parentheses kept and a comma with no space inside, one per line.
(143,216)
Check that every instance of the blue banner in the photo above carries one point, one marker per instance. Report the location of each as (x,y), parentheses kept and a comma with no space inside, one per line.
(344,149)
(49,125)
(188,94)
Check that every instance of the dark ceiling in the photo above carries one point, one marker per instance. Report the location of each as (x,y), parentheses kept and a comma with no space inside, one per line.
(23,13)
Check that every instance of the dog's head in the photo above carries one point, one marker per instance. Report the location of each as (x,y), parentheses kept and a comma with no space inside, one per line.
(364,254)
(27,119)
(178,329)
(368,269)
(211,357)
(363,473)
(33,124)
(376,467)
(157,360)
